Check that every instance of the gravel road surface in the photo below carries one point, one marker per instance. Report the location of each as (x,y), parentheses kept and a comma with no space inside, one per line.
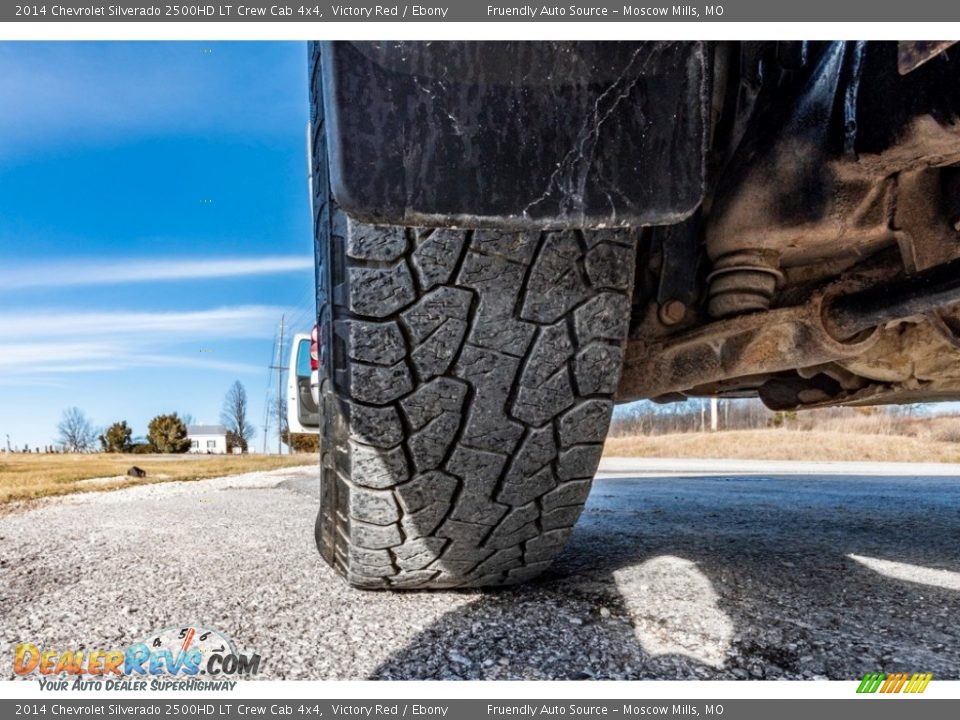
(705,569)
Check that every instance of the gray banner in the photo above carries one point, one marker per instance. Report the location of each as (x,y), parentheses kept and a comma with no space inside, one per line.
(590,11)
(874,708)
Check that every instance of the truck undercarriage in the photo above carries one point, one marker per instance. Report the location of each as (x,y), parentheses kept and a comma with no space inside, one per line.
(822,268)
(511,237)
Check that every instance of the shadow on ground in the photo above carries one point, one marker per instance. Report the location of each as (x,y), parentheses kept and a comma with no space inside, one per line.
(721,578)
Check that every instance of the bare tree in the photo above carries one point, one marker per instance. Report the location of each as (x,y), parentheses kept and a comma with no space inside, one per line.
(234,416)
(75,431)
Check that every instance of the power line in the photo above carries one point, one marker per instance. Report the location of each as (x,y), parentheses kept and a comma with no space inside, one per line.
(306,310)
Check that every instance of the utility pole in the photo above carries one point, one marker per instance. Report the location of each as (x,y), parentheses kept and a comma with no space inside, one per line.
(279,369)
(266,422)
(8,443)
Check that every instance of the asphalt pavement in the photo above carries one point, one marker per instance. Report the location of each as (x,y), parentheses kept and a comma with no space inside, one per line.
(677,569)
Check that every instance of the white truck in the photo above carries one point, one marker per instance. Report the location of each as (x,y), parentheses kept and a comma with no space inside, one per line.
(303,385)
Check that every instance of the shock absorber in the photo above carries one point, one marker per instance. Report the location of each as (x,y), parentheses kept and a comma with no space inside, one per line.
(743,281)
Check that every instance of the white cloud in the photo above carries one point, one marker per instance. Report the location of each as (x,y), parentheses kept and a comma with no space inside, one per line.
(42,359)
(85,273)
(243,321)
(41,343)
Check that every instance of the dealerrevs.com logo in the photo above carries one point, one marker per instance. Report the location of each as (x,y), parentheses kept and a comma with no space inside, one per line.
(183,657)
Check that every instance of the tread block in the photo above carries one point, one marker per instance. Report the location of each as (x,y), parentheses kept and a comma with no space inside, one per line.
(497,281)
(527,487)
(429,445)
(610,266)
(586,422)
(605,316)
(556,283)
(379,343)
(379,385)
(537,450)
(377,507)
(550,352)
(380,292)
(491,374)
(579,461)
(501,561)
(436,257)
(377,468)
(418,554)
(597,369)
(546,545)
(412,579)
(537,405)
(365,582)
(561,517)
(518,522)
(495,278)
(374,537)
(376,242)
(465,540)
(377,426)
(434,355)
(433,399)
(474,505)
(370,562)
(460,567)
(517,247)
(572,492)
(434,309)
(506,335)
(618,236)
(426,502)
(548,540)
(478,471)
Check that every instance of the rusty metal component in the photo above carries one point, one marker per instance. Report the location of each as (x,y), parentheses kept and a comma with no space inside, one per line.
(913,358)
(918,294)
(762,343)
(829,230)
(926,236)
(947,324)
(672,312)
(839,159)
(743,282)
(913,54)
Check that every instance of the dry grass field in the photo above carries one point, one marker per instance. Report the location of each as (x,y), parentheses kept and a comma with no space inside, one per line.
(781,444)
(25,477)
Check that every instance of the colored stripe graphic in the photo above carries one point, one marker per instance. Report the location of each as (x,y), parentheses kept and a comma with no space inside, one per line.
(894,682)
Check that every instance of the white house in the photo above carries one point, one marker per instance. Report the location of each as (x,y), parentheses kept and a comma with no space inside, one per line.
(207,439)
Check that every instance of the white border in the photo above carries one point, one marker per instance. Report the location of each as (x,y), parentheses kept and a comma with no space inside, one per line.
(501,30)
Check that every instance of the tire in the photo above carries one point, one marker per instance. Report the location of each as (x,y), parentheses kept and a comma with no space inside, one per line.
(466,380)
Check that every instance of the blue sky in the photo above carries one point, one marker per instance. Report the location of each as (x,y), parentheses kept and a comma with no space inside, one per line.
(154,225)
